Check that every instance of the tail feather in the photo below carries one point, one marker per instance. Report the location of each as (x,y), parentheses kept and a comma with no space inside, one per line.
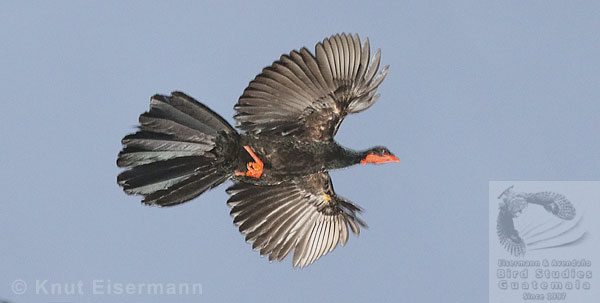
(160,107)
(162,125)
(158,142)
(197,110)
(158,175)
(129,158)
(146,147)
(172,158)
(186,189)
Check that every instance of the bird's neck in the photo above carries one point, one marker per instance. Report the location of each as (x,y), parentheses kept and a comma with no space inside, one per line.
(340,157)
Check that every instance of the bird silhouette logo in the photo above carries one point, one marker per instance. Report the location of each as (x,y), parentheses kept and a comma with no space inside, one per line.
(513,205)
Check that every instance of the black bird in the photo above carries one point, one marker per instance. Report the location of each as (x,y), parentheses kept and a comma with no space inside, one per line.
(283,198)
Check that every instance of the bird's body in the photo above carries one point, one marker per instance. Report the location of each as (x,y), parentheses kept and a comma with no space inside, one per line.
(283,199)
(287,158)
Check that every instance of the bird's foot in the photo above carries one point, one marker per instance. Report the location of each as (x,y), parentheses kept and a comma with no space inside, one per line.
(255,169)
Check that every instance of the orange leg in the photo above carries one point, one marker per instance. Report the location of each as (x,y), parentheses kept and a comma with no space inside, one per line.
(255,169)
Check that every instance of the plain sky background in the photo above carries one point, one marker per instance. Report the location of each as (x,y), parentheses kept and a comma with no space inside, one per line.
(501,90)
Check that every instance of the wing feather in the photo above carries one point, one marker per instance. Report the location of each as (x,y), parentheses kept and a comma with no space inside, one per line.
(304,215)
(554,203)
(296,229)
(326,63)
(337,55)
(343,231)
(507,234)
(298,59)
(313,241)
(343,58)
(308,95)
(364,61)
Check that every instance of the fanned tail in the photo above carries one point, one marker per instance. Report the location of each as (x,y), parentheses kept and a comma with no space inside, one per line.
(178,153)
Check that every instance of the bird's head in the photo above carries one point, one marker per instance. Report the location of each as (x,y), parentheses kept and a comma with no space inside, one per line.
(516,206)
(507,193)
(378,155)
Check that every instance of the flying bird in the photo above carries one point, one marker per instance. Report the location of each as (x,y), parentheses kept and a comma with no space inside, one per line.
(282,198)
(513,204)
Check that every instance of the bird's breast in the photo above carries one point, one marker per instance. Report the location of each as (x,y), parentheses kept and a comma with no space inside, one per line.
(285,159)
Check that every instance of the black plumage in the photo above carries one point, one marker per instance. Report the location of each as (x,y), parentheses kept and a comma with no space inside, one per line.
(283,198)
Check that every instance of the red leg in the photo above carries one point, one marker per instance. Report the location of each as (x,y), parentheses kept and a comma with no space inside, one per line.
(255,169)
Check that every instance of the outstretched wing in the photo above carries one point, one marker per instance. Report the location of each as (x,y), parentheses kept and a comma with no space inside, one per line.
(508,235)
(555,203)
(304,215)
(309,96)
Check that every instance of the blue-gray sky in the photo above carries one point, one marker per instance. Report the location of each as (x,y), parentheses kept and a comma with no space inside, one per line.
(477,91)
